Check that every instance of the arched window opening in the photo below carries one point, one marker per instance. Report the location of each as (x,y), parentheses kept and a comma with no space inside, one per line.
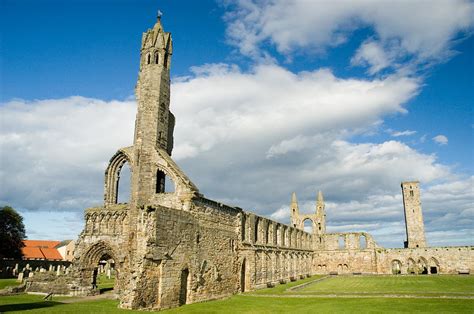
(148,59)
(244,221)
(256,230)
(164,184)
(165,63)
(268,234)
(243,273)
(362,242)
(157,58)
(183,291)
(342,242)
(160,181)
(308,225)
(278,235)
(123,184)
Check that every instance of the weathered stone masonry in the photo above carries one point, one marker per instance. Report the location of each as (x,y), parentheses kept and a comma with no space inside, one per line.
(173,248)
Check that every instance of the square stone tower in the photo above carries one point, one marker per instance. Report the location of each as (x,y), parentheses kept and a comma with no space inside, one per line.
(413,217)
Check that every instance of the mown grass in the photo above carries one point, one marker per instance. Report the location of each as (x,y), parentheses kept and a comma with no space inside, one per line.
(289,303)
(8,282)
(104,283)
(416,285)
(247,304)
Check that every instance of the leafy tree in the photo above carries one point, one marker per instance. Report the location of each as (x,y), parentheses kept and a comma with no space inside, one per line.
(12,233)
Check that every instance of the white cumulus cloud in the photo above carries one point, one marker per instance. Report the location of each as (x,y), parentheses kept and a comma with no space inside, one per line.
(316,25)
(440,139)
(372,54)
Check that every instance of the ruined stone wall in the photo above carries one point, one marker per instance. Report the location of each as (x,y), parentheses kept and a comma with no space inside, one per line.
(345,253)
(272,252)
(447,260)
(345,261)
(200,243)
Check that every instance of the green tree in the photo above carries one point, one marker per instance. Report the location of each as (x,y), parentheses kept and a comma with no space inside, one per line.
(12,233)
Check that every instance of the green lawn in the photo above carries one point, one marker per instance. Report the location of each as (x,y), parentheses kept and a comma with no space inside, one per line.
(287,302)
(245,304)
(419,285)
(104,284)
(8,282)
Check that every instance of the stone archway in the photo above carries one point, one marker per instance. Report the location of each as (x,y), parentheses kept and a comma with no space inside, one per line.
(422,266)
(89,265)
(396,267)
(309,225)
(434,266)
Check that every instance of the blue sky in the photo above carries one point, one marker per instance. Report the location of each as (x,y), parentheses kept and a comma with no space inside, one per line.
(270,97)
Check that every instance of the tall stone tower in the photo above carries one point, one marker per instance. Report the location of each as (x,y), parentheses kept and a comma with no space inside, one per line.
(320,215)
(413,217)
(154,122)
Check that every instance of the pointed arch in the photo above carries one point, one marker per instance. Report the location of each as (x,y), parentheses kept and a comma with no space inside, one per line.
(411,266)
(433,266)
(112,174)
(309,225)
(89,262)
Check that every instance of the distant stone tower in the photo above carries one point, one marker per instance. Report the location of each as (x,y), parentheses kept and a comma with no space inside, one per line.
(320,215)
(318,219)
(294,211)
(413,216)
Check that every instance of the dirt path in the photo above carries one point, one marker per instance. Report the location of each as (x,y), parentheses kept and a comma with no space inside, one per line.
(109,295)
(299,287)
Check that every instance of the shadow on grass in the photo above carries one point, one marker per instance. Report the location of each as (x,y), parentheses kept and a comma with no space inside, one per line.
(27,306)
(103,290)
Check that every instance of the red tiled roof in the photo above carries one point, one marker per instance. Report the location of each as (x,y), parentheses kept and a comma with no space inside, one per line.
(32,253)
(41,243)
(51,254)
(41,249)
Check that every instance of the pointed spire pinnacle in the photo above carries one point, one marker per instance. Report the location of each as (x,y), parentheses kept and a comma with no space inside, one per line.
(320,198)
(293,198)
(158,21)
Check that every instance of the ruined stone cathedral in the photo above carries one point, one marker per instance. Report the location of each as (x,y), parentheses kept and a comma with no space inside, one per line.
(174,248)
